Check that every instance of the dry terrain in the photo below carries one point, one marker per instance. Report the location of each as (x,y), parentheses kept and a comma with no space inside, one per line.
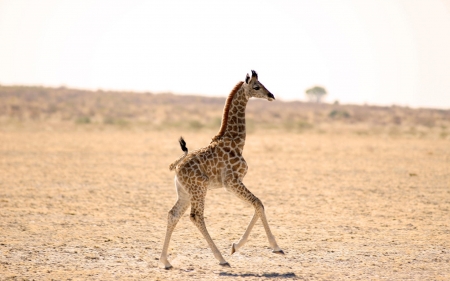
(347,198)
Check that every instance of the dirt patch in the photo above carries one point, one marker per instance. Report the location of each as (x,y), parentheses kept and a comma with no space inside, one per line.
(92,205)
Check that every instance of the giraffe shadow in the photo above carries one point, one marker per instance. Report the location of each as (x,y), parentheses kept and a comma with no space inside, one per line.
(265,275)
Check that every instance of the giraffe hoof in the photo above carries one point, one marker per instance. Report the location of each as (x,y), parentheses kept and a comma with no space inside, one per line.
(233,249)
(280,252)
(168,267)
(225,264)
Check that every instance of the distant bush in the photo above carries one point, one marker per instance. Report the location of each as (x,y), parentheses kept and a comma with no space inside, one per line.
(195,124)
(304,125)
(335,114)
(297,125)
(116,121)
(83,120)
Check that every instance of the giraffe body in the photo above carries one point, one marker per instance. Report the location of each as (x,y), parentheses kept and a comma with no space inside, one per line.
(220,164)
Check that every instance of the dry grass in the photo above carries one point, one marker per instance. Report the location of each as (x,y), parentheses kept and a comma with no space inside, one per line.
(346,199)
(20,106)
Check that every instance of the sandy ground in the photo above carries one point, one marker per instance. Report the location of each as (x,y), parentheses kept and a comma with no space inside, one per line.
(86,205)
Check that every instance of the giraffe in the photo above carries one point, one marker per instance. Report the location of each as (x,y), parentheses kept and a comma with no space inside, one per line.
(220,164)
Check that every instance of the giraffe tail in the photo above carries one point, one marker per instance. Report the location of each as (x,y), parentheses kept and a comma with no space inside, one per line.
(185,150)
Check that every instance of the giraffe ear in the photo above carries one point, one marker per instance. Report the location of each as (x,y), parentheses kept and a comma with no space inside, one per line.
(254,74)
(247,78)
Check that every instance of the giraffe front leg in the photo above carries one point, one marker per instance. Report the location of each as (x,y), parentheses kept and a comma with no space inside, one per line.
(239,189)
(197,208)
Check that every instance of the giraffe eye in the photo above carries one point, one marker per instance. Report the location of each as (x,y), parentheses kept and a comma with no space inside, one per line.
(256,87)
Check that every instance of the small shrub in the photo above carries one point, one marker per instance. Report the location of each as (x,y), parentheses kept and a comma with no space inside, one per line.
(302,125)
(215,123)
(83,120)
(116,121)
(195,124)
(336,114)
(397,120)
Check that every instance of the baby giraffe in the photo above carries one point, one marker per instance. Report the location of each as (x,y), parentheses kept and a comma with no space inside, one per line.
(220,164)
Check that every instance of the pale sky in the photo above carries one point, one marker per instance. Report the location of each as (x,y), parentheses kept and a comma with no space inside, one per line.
(362,51)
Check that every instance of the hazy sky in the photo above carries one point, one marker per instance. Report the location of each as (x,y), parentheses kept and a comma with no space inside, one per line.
(361,51)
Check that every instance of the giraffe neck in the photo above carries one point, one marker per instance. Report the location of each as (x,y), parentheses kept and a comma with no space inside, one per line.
(235,129)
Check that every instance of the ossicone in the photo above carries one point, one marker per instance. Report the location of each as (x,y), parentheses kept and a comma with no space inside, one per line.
(247,78)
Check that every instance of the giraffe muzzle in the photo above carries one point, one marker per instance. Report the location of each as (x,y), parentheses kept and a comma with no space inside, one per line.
(271,97)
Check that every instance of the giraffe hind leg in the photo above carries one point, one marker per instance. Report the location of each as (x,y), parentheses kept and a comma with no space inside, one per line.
(244,238)
(173,217)
(197,208)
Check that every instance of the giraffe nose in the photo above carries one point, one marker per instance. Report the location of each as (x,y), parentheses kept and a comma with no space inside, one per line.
(271,97)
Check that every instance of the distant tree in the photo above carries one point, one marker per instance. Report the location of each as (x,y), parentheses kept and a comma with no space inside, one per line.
(316,94)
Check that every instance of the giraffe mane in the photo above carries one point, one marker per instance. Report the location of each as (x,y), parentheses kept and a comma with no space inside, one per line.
(226,110)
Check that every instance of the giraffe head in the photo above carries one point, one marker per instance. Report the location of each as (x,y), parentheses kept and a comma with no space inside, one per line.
(254,88)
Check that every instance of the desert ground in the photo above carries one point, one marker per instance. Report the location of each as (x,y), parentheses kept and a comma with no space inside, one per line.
(93,205)
(88,201)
